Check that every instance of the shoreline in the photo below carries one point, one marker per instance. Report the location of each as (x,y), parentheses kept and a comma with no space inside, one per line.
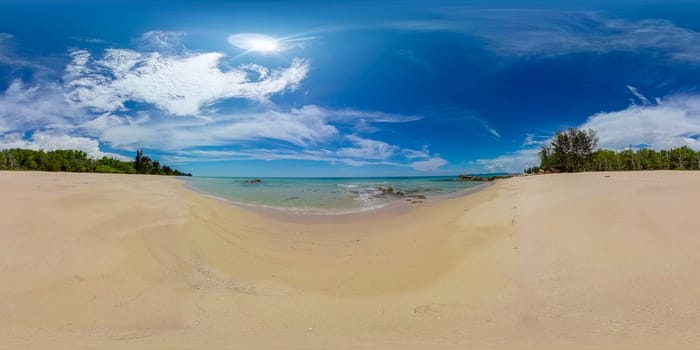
(395,207)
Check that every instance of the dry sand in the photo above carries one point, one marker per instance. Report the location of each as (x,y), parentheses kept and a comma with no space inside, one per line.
(555,261)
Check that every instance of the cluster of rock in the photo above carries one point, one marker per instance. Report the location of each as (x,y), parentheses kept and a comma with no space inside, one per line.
(390,191)
(415,198)
(252,181)
(479,178)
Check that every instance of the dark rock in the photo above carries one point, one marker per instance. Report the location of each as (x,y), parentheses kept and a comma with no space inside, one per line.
(386,190)
(472,178)
(481,178)
(389,191)
(253,181)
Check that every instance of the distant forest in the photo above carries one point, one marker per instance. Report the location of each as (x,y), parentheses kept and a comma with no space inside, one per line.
(575,150)
(79,162)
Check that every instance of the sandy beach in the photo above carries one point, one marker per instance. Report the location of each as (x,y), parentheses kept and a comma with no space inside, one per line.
(564,261)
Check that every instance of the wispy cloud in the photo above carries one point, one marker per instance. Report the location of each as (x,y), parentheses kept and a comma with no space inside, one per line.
(535,139)
(161,41)
(457,115)
(430,164)
(9,57)
(492,131)
(527,32)
(87,39)
(194,156)
(413,58)
(413,154)
(171,134)
(635,92)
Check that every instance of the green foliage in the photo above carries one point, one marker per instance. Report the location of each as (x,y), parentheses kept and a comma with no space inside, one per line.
(681,158)
(78,161)
(569,151)
(573,150)
(532,170)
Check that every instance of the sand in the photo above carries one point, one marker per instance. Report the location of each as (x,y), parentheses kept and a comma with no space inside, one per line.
(566,261)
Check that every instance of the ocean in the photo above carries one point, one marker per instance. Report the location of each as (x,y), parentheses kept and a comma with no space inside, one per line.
(328,195)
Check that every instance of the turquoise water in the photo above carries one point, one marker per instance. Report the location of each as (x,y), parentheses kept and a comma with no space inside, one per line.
(325,194)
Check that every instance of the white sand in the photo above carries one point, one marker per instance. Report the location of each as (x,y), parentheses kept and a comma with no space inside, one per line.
(565,261)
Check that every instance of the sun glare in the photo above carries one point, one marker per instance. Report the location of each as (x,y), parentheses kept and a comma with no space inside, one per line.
(253,42)
(264,45)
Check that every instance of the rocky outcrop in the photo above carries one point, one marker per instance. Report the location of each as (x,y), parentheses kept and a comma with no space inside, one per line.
(253,181)
(480,178)
(390,191)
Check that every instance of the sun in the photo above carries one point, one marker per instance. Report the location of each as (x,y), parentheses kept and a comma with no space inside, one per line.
(253,42)
(264,45)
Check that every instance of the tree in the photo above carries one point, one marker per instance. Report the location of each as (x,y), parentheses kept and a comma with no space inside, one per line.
(604,160)
(138,160)
(682,157)
(78,161)
(155,167)
(569,151)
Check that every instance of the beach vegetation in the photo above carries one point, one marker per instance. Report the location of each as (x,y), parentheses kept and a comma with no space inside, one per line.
(79,162)
(575,150)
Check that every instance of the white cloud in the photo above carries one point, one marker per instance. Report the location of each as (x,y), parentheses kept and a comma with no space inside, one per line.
(673,123)
(47,141)
(176,134)
(367,149)
(514,162)
(30,107)
(178,84)
(303,127)
(431,164)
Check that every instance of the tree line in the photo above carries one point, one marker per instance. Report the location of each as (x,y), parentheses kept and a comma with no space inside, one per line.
(575,150)
(79,162)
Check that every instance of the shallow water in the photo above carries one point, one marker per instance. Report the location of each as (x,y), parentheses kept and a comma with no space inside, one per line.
(325,194)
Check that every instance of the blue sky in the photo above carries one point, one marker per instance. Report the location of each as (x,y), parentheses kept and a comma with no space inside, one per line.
(348,88)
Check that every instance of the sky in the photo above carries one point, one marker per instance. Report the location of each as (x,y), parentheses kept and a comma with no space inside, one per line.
(346,88)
